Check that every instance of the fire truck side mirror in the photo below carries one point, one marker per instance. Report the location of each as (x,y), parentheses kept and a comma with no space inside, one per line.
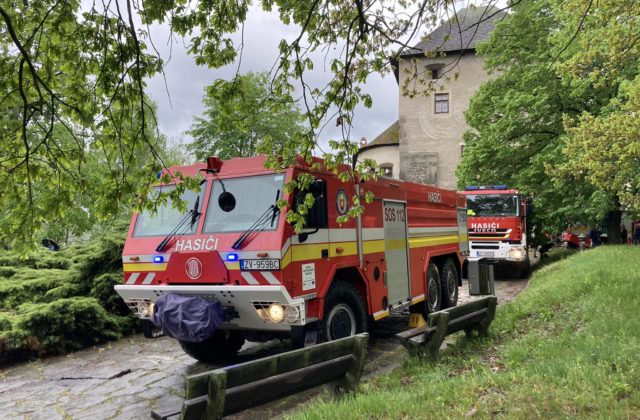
(317,217)
(226,201)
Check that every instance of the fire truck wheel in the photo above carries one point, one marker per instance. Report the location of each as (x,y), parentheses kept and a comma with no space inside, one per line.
(434,295)
(525,269)
(219,347)
(449,284)
(344,313)
(433,303)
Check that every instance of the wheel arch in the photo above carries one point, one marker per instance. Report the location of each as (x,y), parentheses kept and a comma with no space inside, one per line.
(355,277)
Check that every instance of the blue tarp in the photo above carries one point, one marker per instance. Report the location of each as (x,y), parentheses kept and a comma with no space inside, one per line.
(190,319)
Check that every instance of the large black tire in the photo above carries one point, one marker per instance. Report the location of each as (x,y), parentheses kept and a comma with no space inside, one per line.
(449,284)
(433,301)
(344,312)
(519,270)
(220,347)
(525,268)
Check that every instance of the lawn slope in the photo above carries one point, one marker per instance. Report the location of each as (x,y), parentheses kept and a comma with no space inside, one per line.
(569,345)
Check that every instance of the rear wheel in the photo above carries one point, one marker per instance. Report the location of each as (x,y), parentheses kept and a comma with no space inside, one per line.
(433,301)
(221,346)
(449,284)
(344,312)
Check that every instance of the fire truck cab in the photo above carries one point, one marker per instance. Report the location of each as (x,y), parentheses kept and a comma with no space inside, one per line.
(234,248)
(498,226)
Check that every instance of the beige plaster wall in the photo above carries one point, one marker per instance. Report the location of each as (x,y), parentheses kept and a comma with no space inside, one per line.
(430,143)
(383,154)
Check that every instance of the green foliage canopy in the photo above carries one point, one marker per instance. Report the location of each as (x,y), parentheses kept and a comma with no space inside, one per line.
(243,119)
(82,67)
(604,148)
(520,119)
(78,135)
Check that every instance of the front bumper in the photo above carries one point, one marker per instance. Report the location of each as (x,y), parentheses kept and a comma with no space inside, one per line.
(497,251)
(247,302)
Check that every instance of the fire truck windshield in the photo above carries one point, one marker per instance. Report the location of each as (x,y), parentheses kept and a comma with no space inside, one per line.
(252,194)
(167,216)
(492,205)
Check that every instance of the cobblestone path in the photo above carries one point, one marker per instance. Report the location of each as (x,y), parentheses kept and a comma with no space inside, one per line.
(128,378)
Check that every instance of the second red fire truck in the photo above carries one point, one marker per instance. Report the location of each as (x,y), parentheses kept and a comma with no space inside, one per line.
(498,226)
(234,250)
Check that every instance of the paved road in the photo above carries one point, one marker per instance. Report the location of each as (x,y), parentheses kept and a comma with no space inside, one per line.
(128,378)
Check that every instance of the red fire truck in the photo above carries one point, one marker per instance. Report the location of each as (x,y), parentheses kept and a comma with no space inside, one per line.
(498,226)
(236,249)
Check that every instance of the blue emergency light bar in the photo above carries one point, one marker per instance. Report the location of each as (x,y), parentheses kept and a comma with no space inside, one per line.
(158,259)
(485,187)
(232,257)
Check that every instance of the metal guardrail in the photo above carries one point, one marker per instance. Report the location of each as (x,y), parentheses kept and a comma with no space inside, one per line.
(212,394)
(427,339)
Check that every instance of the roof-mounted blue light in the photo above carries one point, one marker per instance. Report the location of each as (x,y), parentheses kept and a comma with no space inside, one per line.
(485,187)
(158,259)
(232,257)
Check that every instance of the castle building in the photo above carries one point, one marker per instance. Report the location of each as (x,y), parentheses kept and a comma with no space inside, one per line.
(426,144)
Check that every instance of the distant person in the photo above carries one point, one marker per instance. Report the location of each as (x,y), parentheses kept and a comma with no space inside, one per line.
(594,235)
(623,234)
(636,235)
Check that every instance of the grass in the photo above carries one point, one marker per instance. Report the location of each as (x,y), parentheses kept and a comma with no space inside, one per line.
(568,346)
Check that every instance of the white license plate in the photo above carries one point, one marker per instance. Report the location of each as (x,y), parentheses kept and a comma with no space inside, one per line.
(485,253)
(266,264)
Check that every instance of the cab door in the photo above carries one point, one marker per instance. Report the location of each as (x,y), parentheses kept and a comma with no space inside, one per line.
(396,252)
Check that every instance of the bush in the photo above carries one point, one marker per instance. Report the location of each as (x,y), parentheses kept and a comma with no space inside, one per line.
(57,327)
(55,302)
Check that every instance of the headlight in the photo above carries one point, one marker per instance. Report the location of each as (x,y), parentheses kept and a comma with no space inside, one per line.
(292,313)
(516,254)
(276,312)
(145,309)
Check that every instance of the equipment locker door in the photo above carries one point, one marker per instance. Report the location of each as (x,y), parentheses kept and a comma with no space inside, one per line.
(396,251)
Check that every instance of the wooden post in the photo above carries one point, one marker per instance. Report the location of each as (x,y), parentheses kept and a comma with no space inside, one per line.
(433,342)
(216,395)
(352,376)
(483,326)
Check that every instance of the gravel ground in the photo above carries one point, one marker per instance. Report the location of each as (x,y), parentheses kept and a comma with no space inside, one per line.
(128,378)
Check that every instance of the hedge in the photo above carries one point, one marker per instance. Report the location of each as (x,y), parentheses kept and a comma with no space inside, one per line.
(56,302)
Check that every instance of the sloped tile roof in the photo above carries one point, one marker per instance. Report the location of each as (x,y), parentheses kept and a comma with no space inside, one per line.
(472,25)
(389,136)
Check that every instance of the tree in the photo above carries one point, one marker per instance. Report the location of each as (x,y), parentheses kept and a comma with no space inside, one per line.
(603,51)
(243,118)
(70,62)
(519,118)
(71,93)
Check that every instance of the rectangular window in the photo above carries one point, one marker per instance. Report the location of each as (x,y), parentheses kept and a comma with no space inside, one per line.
(442,103)
(167,217)
(252,198)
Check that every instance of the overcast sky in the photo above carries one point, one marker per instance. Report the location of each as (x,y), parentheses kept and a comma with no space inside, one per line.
(179,100)
(186,82)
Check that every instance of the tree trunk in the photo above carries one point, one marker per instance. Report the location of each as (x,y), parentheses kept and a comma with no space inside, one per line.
(613,227)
